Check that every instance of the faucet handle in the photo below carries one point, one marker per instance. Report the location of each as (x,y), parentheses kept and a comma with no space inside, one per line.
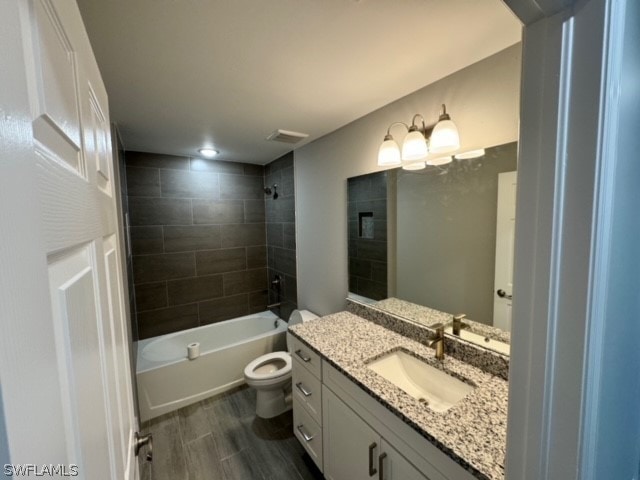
(459,317)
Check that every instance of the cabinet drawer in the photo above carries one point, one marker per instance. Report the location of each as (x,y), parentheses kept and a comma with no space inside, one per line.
(308,432)
(307,357)
(308,391)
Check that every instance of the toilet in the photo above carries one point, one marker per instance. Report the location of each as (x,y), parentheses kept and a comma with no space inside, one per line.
(270,375)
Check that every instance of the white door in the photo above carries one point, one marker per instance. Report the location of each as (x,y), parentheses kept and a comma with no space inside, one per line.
(64,359)
(505,234)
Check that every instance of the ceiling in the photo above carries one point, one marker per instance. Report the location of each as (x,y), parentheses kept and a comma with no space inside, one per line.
(182,74)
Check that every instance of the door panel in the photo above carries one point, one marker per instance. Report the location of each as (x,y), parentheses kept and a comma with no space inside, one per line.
(67,256)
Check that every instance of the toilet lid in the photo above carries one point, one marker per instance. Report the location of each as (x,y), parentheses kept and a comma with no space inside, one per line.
(281,362)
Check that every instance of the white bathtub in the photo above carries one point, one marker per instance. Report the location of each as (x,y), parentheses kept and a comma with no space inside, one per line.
(167,380)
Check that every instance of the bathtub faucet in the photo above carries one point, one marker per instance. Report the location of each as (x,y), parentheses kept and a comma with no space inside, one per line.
(273,305)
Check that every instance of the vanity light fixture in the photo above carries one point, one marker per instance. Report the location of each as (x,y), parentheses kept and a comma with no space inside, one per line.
(468,155)
(416,146)
(208,152)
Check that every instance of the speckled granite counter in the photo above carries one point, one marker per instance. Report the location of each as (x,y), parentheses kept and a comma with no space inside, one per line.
(472,433)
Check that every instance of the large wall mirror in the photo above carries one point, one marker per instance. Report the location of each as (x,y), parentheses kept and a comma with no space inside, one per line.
(441,237)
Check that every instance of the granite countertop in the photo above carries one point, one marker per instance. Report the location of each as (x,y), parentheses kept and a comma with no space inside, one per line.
(472,432)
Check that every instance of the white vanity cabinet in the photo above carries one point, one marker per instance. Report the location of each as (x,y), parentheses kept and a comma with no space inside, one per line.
(351,436)
(355,451)
(306,377)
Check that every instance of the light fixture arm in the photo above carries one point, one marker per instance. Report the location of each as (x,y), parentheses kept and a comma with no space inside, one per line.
(415,127)
(444,115)
(393,125)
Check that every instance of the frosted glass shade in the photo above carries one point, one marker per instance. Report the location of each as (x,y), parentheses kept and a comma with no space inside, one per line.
(414,166)
(444,137)
(439,160)
(414,146)
(389,153)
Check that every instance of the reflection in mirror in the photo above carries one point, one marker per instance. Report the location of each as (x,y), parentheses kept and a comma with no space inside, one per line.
(440,237)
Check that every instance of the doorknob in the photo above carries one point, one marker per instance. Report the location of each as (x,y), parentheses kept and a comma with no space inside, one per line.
(502,294)
(142,440)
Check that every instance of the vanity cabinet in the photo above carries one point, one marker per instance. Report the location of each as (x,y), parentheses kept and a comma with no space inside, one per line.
(350,435)
(355,451)
(306,374)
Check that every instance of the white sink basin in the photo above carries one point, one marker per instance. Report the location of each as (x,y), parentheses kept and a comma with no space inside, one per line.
(465,334)
(423,382)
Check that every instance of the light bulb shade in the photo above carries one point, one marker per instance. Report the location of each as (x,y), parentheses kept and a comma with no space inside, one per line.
(414,166)
(470,154)
(439,160)
(414,146)
(389,152)
(445,137)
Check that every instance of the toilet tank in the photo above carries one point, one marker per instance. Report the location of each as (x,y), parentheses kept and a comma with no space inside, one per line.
(299,316)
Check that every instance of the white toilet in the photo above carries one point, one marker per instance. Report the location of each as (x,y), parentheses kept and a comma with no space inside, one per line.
(270,375)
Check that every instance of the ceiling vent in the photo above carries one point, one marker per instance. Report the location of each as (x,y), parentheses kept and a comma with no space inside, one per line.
(286,136)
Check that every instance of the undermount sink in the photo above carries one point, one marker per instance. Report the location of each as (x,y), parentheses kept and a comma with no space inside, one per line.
(487,342)
(437,389)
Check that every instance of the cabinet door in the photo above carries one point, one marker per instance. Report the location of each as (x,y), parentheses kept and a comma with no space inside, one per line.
(393,466)
(349,443)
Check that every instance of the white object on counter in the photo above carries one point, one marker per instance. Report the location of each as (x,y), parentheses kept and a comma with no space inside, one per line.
(193,350)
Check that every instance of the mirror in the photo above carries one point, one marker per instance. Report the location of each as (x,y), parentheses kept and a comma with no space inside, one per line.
(441,237)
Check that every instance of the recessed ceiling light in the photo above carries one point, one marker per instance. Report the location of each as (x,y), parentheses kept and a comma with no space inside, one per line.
(208,152)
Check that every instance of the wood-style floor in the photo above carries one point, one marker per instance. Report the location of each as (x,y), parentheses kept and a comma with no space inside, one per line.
(222,439)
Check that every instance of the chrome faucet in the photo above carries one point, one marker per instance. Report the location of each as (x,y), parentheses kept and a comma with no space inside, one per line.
(437,339)
(457,323)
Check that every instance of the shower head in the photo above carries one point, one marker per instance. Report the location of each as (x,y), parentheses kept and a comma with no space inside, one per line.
(272,190)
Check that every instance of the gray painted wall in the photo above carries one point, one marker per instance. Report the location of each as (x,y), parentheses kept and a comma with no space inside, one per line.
(483,100)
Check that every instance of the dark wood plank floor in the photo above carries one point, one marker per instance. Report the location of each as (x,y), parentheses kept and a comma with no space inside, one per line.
(222,439)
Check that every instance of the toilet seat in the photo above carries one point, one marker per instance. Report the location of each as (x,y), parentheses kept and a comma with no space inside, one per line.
(250,370)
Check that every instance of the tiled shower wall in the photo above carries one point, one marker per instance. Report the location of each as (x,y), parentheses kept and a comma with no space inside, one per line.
(198,237)
(367,210)
(281,235)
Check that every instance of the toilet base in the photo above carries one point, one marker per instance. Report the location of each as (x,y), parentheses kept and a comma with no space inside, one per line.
(273,402)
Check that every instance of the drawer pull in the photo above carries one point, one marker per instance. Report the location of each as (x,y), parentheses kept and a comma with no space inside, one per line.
(301,355)
(372,468)
(381,466)
(305,435)
(303,389)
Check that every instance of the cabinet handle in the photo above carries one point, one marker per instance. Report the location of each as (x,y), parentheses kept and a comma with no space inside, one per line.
(302,388)
(300,354)
(372,469)
(305,435)
(381,466)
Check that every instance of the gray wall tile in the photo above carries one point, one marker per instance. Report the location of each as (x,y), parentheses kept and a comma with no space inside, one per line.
(167,320)
(194,221)
(146,240)
(153,268)
(193,237)
(224,308)
(289,235)
(221,261)
(176,183)
(251,169)
(243,235)
(245,281)
(190,290)
(207,211)
(240,187)
(275,236)
(216,166)
(257,257)
(159,211)
(156,160)
(285,261)
(150,296)
(254,211)
(143,182)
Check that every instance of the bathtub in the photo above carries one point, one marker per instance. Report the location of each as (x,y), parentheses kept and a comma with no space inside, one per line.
(168,380)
